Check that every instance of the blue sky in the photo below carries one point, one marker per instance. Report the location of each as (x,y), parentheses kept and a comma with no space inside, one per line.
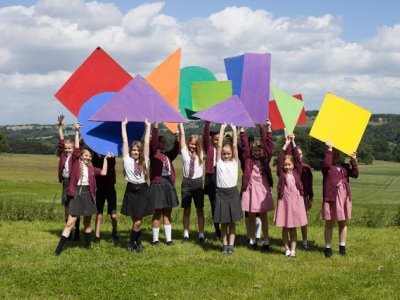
(347,47)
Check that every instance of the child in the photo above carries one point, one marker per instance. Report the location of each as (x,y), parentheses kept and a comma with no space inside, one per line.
(82,189)
(307,181)
(257,182)
(210,144)
(290,212)
(192,183)
(105,191)
(65,150)
(136,202)
(336,205)
(227,201)
(162,187)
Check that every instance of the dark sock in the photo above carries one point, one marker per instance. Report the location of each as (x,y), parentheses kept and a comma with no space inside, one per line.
(60,246)
(217,230)
(88,239)
(139,238)
(133,237)
(77,223)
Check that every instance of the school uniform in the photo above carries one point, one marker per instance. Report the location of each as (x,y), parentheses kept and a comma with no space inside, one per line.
(162,174)
(64,168)
(192,182)
(227,202)
(82,189)
(307,181)
(257,176)
(337,203)
(136,202)
(290,211)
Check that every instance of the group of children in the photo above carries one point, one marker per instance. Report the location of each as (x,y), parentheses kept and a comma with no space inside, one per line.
(150,159)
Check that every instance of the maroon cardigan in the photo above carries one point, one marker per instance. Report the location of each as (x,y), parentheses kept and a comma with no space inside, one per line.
(332,176)
(296,171)
(156,158)
(63,159)
(76,174)
(307,180)
(208,149)
(247,160)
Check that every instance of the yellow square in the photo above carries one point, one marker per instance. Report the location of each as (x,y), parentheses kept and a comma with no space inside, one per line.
(342,122)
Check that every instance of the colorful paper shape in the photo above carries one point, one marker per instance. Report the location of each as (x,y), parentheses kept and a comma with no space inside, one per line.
(289,108)
(230,111)
(208,93)
(103,137)
(165,79)
(276,118)
(341,122)
(137,101)
(189,75)
(254,82)
(97,74)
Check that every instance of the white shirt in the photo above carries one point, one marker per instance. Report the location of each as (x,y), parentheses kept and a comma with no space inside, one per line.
(227,173)
(198,169)
(166,172)
(65,172)
(129,167)
(84,180)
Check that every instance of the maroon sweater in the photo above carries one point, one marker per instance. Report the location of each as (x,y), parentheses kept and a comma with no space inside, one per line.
(76,174)
(208,149)
(156,158)
(307,180)
(63,159)
(332,176)
(296,171)
(247,160)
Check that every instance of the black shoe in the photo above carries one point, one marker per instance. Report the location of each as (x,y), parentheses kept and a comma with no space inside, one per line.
(185,240)
(258,241)
(265,248)
(231,250)
(139,248)
(169,243)
(76,236)
(201,240)
(96,240)
(328,252)
(342,250)
(225,249)
(115,236)
(217,238)
(129,247)
(155,243)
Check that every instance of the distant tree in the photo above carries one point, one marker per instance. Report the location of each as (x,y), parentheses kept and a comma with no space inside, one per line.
(364,154)
(3,143)
(396,153)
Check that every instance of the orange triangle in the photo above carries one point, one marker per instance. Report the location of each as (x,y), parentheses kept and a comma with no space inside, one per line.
(165,79)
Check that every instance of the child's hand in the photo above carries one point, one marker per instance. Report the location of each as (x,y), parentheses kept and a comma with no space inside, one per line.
(60,120)
(77,126)
(233,127)
(354,156)
(223,126)
(268,124)
(291,137)
(147,123)
(241,129)
(329,144)
(109,155)
(125,122)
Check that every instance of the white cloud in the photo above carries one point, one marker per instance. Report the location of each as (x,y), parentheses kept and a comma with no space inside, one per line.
(40,46)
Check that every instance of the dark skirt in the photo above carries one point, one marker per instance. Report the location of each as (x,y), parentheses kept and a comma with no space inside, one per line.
(163,194)
(228,208)
(64,197)
(137,203)
(82,204)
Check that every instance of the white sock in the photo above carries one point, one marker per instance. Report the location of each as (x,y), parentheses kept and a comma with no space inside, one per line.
(252,241)
(287,252)
(266,241)
(328,246)
(185,233)
(258,228)
(246,222)
(342,244)
(156,233)
(168,232)
(201,235)
(305,243)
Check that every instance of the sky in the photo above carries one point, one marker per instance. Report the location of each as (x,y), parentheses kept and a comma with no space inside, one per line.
(347,47)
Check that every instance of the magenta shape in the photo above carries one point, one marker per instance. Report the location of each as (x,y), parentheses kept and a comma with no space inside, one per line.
(137,101)
(229,111)
(255,85)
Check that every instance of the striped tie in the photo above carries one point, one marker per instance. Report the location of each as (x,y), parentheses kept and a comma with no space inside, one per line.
(191,167)
(137,169)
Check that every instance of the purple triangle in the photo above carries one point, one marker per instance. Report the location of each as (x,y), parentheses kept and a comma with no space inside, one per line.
(230,111)
(137,101)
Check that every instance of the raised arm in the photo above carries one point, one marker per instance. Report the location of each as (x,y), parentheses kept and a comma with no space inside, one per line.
(105,164)
(60,127)
(220,141)
(154,138)
(206,136)
(77,127)
(173,153)
(327,163)
(266,140)
(235,143)
(353,171)
(125,147)
(182,141)
(295,154)
(146,146)
(245,148)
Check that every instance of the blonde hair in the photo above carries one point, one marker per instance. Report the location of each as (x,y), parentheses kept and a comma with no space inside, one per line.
(197,140)
(142,164)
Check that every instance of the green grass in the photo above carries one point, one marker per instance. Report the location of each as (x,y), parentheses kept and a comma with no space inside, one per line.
(190,271)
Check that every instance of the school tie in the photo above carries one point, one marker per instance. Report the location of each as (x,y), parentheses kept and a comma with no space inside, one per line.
(191,167)
(165,163)
(137,170)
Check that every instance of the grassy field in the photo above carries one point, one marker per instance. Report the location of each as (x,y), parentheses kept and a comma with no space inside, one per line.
(192,271)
